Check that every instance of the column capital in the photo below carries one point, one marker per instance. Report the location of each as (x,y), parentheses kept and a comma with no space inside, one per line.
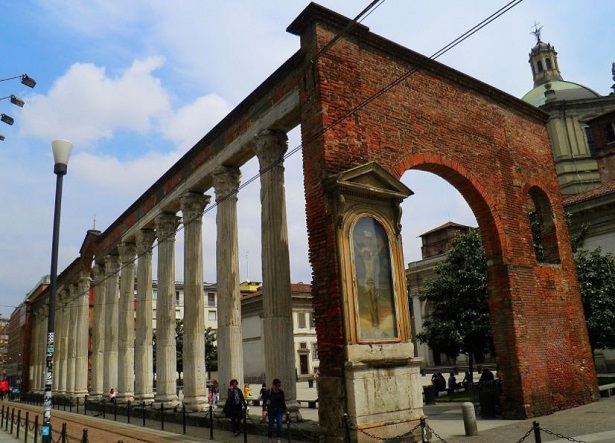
(145,240)
(270,146)
(127,251)
(192,205)
(166,225)
(98,272)
(84,282)
(226,181)
(112,264)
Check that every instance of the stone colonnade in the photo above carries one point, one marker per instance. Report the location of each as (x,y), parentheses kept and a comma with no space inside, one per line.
(121,327)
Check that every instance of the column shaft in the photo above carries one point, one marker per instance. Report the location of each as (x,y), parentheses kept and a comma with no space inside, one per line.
(195,392)
(126,346)
(270,146)
(83,334)
(98,334)
(144,363)
(72,343)
(112,267)
(166,363)
(62,340)
(228,335)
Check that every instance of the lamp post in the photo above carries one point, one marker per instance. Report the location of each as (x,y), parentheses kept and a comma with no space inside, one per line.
(29,82)
(61,153)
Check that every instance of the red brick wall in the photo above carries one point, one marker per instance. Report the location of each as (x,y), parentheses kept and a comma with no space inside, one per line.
(488,145)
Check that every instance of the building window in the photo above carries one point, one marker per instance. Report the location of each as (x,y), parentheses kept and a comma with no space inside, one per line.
(176,298)
(303,345)
(154,295)
(610,132)
(211,299)
(539,66)
(589,135)
(311,320)
(315,351)
(211,315)
(548,63)
(301,320)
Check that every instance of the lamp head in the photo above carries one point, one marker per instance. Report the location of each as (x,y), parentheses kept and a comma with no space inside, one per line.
(28,81)
(7,119)
(61,153)
(17,101)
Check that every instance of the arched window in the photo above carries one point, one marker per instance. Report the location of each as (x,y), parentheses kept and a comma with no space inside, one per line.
(548,61)
(542,224)
(539,65)
(371,256)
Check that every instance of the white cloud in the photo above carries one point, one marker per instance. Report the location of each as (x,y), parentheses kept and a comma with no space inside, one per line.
(86,104)
(191,122)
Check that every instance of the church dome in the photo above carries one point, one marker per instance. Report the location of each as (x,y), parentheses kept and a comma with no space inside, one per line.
(563,91)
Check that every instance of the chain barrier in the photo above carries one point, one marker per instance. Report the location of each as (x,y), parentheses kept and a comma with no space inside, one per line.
(435,434)
(555,434)
(375,437)
(526,435)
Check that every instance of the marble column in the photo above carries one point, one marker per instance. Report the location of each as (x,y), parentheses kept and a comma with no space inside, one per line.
(126,341)
(228,335)
(98,334)
(37,368)
(59,321)
(144,354)
(195,391)
(72,343)
(270,146)
(166,358)
(62,330)
(112,267)
(82,332)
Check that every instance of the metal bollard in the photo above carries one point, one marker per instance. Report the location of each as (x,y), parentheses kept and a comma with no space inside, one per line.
(35,429)
(115,410)
(128,411)
(64,434)
(144,413)
(469,419)
(162,416)
(26,427)
(18,422)
(289,430)
(12,419)
(536,427)
(245,425)
(84,437)
(424,431)
(104,404)
(184,417)
(211,422)
(346,428)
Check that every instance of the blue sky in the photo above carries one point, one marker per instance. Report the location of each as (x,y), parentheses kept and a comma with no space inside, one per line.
(135,84)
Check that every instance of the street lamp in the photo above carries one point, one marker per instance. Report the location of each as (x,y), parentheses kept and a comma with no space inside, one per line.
(61,153)
(28,81)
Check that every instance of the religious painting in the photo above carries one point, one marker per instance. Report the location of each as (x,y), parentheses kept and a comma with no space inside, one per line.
(374,281)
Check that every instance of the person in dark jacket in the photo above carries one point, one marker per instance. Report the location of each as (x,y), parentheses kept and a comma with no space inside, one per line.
(262,396)
(276,405)
(235,406)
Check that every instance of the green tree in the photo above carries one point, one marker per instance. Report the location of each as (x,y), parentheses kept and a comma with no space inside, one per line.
(459,317)
(596,274)
(211,350)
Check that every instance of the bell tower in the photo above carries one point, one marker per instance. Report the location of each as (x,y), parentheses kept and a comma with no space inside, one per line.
(543,60)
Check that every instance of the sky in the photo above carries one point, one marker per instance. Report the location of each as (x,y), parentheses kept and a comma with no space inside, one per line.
(135,84)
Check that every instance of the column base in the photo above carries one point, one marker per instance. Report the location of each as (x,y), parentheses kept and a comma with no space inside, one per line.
(196,404)
(148,399)
(124,398)
(168,402)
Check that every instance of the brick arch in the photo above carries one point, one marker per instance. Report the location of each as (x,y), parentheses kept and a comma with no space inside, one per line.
(479,200)
(547,232)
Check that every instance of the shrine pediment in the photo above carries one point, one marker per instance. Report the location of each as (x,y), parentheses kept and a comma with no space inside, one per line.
(369,180)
